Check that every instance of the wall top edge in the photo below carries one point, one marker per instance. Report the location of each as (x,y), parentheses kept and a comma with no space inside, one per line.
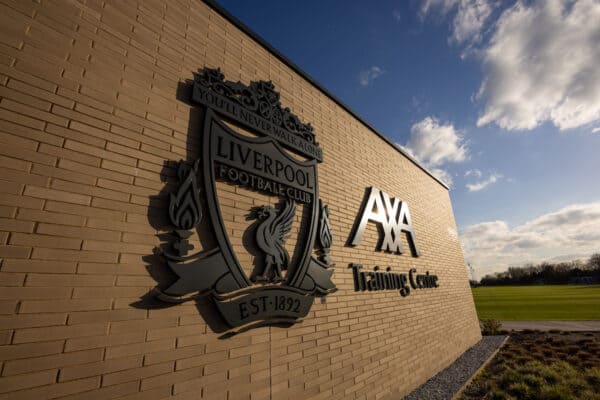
(244,28)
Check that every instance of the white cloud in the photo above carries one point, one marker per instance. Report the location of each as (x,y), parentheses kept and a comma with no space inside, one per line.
(477,186)
(596,130)
(444,6)
(435,144)
(470,16)
(439,173)
(470,19)
(442,175)
(474,172)
(366,77)
(541,64)
(493,246)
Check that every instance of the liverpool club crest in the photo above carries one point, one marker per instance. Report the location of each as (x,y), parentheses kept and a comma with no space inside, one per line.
(250,145)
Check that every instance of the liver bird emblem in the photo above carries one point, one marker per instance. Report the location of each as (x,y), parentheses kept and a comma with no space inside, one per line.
(271,236)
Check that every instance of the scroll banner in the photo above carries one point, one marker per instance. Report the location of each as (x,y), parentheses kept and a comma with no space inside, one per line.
(267,304)
(233,110)
(203,272)
(318,278)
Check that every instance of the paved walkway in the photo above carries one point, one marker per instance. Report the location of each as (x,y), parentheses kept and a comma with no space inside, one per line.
(548,325)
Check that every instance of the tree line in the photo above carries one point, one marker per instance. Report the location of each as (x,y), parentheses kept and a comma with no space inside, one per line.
(546,273)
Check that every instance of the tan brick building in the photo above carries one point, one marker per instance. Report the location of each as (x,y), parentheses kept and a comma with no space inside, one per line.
(94,113)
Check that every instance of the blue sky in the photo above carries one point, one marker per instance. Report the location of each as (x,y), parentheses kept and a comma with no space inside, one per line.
(501,98)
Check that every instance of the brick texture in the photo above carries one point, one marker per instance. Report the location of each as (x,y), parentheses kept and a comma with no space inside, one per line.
(89,119)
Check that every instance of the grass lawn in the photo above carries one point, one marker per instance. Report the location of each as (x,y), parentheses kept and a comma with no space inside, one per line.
(543,302)
(541,366)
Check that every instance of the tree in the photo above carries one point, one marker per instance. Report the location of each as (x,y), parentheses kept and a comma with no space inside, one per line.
(594,262)
(548,273)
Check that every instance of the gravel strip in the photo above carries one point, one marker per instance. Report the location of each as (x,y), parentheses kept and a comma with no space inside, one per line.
(588,326)
(448,382)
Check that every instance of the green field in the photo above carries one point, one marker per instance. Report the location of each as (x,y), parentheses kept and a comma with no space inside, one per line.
(552,302)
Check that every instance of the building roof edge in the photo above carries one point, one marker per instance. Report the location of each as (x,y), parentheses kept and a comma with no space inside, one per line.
(244,28)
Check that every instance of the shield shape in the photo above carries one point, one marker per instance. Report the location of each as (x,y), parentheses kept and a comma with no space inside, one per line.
(250,142)
(260,164)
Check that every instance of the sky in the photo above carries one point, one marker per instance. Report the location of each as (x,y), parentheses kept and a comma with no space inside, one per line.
(500,99)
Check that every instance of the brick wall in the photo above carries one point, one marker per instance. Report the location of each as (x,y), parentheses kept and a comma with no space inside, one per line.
(89,115)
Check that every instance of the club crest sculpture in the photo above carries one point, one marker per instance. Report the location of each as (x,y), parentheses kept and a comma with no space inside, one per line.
(278,159)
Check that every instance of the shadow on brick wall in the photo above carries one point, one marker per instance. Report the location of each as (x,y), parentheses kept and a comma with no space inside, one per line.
(158,218)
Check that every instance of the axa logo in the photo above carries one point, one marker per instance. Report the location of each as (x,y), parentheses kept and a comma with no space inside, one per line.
(392,218)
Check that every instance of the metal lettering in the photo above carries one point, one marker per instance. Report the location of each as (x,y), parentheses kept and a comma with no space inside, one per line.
(393,217)
(378,280)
